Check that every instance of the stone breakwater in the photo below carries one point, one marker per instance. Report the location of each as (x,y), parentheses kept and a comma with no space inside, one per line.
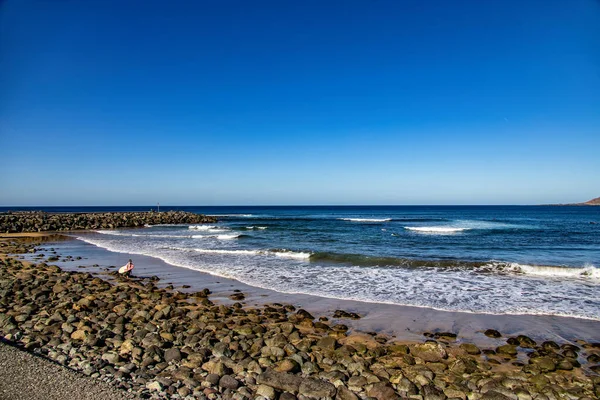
(40,221)
(158,343)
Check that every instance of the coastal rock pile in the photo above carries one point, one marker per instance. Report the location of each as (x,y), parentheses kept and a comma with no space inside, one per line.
(40,221)
(165,344)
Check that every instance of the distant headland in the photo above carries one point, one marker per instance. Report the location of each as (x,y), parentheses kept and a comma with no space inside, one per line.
(593,202)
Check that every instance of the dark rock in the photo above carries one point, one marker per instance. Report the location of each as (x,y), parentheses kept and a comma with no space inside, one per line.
(228,382)
(470,348)
(213,379)
(172,354)
(507,349)
(492,333)
(345,314)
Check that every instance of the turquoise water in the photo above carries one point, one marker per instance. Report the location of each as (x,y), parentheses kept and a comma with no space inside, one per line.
(482,259)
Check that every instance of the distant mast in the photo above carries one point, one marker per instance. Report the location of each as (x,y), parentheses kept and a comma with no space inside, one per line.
(158,206)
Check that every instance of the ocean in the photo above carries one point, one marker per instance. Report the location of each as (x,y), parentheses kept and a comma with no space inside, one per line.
(541,260)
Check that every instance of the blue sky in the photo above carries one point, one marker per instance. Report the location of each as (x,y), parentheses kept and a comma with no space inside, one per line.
(299,102)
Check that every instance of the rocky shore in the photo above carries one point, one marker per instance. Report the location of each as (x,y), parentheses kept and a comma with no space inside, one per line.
(158,343)
(38,221)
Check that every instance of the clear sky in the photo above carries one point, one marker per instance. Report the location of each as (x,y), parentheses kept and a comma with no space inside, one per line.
(299,102)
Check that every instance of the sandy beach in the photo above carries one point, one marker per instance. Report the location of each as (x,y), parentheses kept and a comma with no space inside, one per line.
(259,346)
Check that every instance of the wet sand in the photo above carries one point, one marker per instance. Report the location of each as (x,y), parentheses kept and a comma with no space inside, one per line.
(403,322)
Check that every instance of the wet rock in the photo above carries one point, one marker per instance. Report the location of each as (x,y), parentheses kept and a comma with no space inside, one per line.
(345,314)
(507,349)
(237,296)
(470,348)
(492,333)
(429,351)
(526,342)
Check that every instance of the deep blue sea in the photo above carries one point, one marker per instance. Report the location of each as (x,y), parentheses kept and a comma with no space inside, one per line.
(482,259)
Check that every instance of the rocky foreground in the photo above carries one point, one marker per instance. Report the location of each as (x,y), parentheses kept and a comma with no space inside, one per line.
(39,221)
(157,343)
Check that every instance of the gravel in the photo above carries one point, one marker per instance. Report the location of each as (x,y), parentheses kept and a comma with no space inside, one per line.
(25,376)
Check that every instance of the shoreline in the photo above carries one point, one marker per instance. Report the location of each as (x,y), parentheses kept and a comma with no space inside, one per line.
(400,321)
(157,342)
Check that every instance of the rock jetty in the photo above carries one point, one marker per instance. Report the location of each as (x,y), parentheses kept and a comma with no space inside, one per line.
(158,343)
(38,221)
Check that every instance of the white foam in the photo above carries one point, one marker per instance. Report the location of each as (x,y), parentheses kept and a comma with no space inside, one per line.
(227,237)
(366,219)
(220,237)
(202,227)
(256,227)
(590,272)
(460,289)
(278,253)
(230,252)
(293,254)
(435,229)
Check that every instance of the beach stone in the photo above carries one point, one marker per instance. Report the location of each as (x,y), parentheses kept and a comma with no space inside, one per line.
(79,335)
(344,394)
(266,391)
(550,346)
(507,349)
(357,382)
(212,379)
(494,395)
(429,351)
(382,391)
(492,333)
(526,342)
(470,348)
(546,364)
(345,314)
(270,351)
(316,388)
(287,365)
(564,365)
(111,358)
(228,382)
(172,355)
(327,343)
(287,396)
(593,358)
(154,386)
(280,380)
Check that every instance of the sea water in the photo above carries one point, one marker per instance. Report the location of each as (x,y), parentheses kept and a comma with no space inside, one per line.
(480,259)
